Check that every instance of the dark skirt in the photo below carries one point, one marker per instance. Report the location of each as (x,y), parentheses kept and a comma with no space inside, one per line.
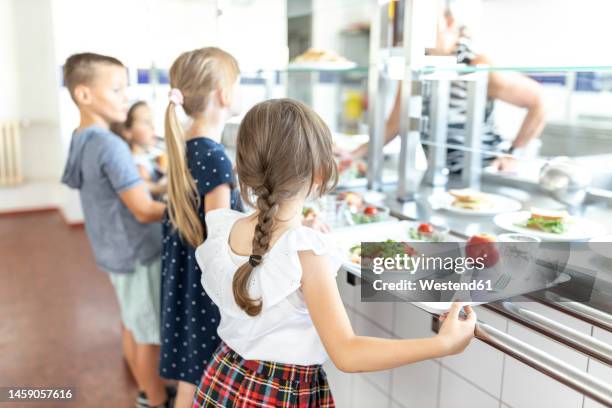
(231,381)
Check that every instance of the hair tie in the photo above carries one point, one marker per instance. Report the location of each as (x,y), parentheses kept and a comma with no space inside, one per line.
(175,95)
(255,260)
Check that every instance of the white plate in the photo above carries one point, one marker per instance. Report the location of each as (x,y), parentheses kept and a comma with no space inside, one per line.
(501,204)
(347,181)
(602,246)
(373,197)
(578,229)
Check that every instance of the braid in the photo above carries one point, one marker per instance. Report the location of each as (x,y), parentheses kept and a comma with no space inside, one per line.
(283,150)
(268,207)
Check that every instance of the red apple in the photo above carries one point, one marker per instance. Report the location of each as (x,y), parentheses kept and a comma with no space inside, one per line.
(483,246)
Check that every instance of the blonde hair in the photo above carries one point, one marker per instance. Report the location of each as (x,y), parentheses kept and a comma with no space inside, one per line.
(196,74)
(283,147)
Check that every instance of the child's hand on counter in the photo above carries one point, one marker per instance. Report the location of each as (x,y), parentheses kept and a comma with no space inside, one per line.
(456,332)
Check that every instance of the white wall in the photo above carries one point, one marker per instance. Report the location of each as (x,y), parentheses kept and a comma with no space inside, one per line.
(9,108)
(255,32)
(36,36)
(541,33)
(36,83)
(329,17)
(546,32)
(137,32)
(140,33)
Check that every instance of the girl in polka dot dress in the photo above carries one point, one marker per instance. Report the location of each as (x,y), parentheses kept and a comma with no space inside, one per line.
(204,82)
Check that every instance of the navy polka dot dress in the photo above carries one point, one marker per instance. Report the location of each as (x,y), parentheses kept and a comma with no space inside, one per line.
(189,318)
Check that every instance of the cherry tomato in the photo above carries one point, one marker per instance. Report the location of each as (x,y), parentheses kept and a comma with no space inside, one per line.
(426,228)
(370,210)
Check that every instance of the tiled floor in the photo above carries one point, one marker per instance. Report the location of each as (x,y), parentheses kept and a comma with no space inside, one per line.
(59,321)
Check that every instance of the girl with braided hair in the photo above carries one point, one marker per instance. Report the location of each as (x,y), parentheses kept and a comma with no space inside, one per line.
(205,85)
(274,279)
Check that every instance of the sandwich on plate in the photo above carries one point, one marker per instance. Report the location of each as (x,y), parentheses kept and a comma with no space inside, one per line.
(470,199)
(551,221)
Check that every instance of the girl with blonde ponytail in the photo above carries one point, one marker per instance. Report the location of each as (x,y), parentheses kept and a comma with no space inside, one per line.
(274,279)
(204,84)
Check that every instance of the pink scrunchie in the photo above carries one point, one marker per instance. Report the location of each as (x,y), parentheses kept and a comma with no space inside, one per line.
(175,95)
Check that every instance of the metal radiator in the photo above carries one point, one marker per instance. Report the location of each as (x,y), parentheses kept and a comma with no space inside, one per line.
(10,153)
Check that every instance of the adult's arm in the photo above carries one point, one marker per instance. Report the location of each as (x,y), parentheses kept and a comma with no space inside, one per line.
(521,91)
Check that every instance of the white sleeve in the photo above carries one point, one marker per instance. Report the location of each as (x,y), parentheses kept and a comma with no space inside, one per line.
(280,275)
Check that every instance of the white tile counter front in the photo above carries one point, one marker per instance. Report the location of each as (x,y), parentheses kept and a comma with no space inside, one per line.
(481,363)
(482,376)
(598,369)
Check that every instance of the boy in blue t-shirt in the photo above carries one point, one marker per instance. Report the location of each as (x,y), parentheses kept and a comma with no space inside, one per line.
(121,218)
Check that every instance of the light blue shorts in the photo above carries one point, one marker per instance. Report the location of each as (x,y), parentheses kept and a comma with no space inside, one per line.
(138,294)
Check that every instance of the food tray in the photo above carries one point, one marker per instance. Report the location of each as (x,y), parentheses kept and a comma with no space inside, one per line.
(347,237)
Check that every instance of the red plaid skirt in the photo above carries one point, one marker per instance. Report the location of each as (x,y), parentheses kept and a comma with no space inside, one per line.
(231,381)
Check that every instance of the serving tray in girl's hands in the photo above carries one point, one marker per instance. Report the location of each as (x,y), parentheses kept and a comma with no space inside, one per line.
(347,237)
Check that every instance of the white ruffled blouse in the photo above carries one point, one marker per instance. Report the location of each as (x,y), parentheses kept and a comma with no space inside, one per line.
(283,332)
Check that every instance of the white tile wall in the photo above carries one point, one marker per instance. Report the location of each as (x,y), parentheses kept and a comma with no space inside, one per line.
(525,387)
(589,403)
(364,327)
(481,363)
(597,369)
(458,393)
(341,385)
(366,395)
(379,312)
(411,322)
(416,385)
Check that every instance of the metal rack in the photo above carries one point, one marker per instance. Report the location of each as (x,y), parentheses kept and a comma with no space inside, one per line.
(411,122)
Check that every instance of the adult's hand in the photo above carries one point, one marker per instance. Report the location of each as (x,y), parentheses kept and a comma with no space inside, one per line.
(506,164)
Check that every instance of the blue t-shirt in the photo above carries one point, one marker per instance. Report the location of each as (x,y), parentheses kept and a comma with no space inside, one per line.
(101,166)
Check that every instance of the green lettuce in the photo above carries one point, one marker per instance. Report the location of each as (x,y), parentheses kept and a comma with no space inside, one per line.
(553,226)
